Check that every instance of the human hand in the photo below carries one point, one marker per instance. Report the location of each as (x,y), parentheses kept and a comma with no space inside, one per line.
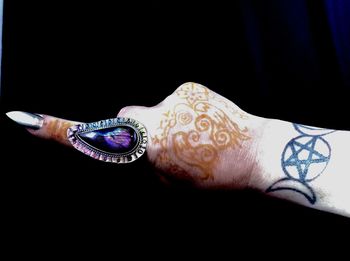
(199,137)
(195,136)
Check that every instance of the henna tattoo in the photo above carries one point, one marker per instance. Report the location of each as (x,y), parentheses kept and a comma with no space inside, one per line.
(304,159)
(57,129)
(197,129)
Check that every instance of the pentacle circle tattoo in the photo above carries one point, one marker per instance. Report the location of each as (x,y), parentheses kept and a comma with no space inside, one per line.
(305,157)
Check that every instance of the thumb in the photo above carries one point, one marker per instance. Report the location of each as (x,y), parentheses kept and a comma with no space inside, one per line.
(44,126)
(148,116)
(134,112)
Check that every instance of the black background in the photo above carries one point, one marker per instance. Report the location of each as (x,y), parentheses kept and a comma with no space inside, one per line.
(85,61)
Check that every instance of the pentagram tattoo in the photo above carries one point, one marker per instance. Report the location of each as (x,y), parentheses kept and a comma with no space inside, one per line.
(304,158)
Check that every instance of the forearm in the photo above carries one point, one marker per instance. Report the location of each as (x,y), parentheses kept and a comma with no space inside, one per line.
(304,164)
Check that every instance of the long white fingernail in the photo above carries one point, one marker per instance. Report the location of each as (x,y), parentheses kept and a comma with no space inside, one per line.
(27,119)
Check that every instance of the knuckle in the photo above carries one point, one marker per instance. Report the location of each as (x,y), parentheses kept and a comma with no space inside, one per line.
(180,91)
(184,85)
(191,86)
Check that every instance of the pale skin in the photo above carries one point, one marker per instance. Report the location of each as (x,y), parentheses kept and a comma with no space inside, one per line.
(200,138)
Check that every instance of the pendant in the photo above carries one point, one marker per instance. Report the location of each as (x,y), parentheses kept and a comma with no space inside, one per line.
(118,140)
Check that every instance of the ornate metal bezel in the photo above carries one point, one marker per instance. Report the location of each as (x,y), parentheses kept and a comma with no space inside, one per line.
(136,152)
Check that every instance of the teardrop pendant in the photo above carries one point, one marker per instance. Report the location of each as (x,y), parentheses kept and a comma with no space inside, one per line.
(118,140)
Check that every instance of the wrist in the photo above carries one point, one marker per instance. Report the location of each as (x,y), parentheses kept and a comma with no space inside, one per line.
(271,136)
(250,155)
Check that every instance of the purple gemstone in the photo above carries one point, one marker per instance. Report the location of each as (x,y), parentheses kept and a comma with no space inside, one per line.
(112,140)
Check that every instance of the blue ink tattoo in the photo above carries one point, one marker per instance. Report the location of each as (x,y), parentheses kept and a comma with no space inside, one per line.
(304,159)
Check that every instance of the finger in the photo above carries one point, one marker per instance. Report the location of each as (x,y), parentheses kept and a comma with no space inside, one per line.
(54,129)
(43,126)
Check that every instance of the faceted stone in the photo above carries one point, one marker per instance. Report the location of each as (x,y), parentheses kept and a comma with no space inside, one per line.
(113,140)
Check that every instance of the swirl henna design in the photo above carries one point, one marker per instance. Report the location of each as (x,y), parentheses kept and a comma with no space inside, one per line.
(303,160)
(194,133)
